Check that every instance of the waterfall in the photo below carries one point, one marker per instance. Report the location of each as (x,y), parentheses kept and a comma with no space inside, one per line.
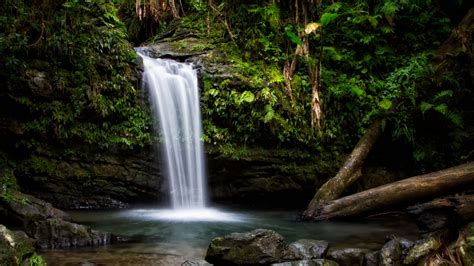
(174,94)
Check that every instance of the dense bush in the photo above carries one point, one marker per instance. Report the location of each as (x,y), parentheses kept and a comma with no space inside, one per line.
(70,75)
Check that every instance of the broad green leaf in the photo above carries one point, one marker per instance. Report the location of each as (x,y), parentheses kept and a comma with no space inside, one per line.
(373,21)
(385,104)
(424,106)
(357,91)
(294,38)
(213,92)
(268,116)
(327,18)
(247,96)
(332,52)
(442,108)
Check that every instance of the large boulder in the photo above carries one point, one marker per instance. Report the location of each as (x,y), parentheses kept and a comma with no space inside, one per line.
(308,249)
(21,209)
(314,262)
(393,251)
(260,246)
(50,227)
(372,258)
(422,248)
(348,256)
(15,246)
(57,233)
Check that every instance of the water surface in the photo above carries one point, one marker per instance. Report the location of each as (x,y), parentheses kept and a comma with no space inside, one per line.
(165,238)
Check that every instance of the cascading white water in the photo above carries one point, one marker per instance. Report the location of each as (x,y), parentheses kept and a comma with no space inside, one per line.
(175,98)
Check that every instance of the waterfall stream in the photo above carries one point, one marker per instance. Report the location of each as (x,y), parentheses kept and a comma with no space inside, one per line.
(174,94)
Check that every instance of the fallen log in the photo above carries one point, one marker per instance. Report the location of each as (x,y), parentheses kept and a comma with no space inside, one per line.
(407,191)
(351,170)
(449,212)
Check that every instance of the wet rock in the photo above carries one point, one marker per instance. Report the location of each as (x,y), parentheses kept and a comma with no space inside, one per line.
(466,246)
(372,258)
(261,177)
(392,252)
(15,246)
(260,246)
(347,256)
(50,227)
(177,49)
(310,249)
(56,233)
(102,180)
(420,249)
(21,209)
(196,263)
(314,262)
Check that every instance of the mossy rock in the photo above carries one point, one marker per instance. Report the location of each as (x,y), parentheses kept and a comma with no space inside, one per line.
(15,246)
(421,249)
(57,233)
(260,246)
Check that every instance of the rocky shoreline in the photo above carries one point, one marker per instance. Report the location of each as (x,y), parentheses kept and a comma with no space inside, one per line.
(267,247)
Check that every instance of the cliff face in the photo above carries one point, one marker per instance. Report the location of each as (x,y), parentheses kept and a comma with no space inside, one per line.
(85,176)
(71,142)
(99,180)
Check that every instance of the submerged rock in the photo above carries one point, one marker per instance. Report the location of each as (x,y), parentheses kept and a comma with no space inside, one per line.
(421,248)
(315,262)
(347,256)
(310,249)
(15,246)
(260,246)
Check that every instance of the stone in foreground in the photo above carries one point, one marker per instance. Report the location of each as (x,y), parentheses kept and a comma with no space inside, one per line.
(260,246)
(421,249)
(310,249)
(15,246)
(316,262)
(348,256)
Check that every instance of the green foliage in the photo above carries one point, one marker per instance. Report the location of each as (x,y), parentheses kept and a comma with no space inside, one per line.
(76,72)
(36,260)
(327,18)
(375,59)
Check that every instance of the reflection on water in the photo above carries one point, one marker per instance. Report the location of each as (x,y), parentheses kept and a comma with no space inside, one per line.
(168,238)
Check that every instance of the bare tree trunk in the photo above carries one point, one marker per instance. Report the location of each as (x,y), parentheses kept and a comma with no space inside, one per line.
(315,81)
(174,9)
(402,192)
(349,172)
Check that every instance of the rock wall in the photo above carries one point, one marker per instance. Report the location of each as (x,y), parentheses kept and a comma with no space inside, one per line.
(117,180)
(110,180)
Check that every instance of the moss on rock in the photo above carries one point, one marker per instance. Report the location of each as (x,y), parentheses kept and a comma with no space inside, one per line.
(15,247)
